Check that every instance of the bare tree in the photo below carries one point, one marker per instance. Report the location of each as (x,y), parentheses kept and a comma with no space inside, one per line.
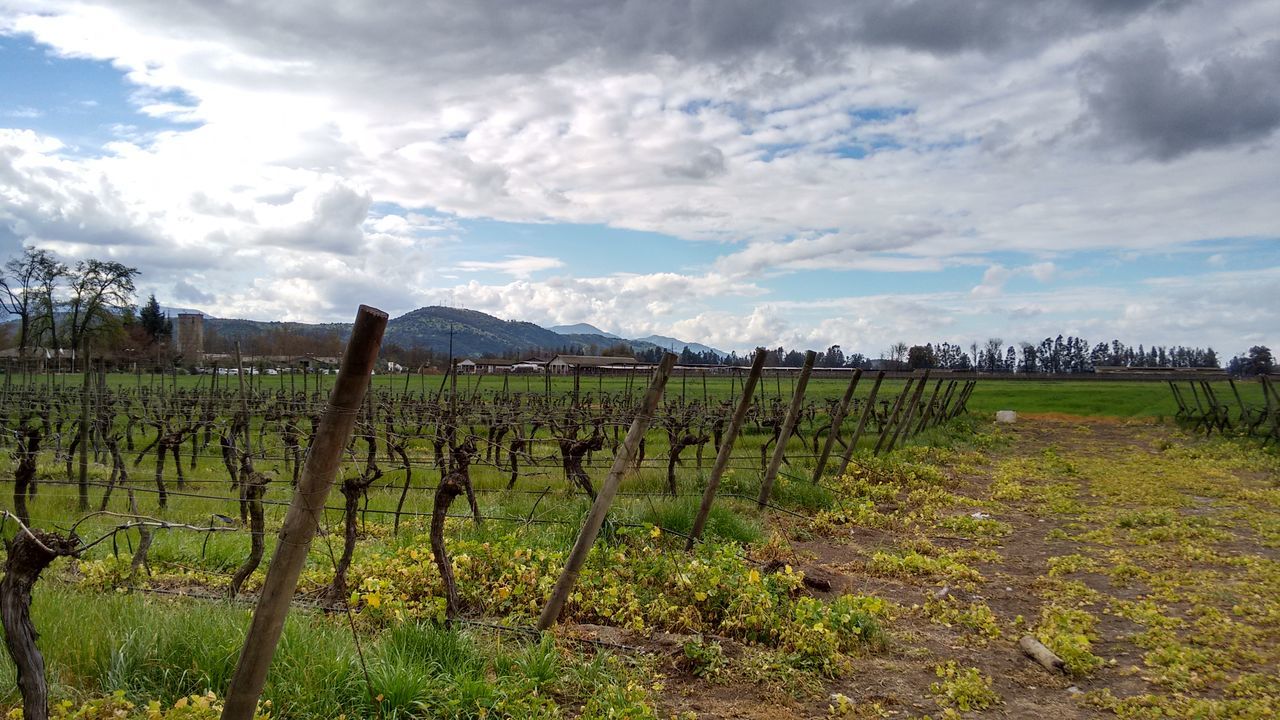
(27,281)
(98,289)
(994,354)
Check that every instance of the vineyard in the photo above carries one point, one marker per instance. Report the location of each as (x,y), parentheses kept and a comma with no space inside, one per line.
(769,544)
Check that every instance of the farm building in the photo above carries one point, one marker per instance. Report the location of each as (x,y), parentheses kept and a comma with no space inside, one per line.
(568,364)
(494,365)
(465,366)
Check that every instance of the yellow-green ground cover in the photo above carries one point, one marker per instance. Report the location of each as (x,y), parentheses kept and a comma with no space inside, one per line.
(1149,560)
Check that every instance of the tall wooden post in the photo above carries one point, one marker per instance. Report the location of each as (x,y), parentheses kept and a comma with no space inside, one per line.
(726,447)
(895,417)
(600,508)
(244,400)
(867,410)
(788,425)
(83,502)
(962,401)
(905,425)
(927,414)
(303,517)
(836,420)
(940,415)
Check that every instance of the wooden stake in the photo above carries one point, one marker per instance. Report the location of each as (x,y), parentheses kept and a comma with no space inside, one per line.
(862,423)
(836,420)
(927,414)
(83,502)
(894,416)
(726,447)
(595,518)
(789,424)
(303,518)
(910,414)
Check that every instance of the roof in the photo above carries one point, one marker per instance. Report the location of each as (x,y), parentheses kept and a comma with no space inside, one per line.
(594,360)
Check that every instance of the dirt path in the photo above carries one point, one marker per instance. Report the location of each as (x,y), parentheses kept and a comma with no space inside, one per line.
(1147,558)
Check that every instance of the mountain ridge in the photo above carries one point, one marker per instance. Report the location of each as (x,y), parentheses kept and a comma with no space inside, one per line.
(469,333)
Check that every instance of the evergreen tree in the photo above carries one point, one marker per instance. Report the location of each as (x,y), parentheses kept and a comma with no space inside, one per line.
(158,327)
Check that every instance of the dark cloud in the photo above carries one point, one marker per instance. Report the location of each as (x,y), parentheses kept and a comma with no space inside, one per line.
(408,39)
(700,164)
(1138,96)
(989,25)
(184,291)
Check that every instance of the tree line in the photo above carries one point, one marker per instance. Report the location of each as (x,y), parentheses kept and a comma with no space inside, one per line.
(1059,354)
(60,307)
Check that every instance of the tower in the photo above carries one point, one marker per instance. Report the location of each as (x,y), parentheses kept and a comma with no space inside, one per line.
(191,337)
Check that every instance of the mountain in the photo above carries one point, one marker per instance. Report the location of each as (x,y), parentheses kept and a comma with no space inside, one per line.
(474,334)
(582,329)
(674,345)
(173,312)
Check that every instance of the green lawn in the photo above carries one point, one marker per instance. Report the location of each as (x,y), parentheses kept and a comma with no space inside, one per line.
(1129,399)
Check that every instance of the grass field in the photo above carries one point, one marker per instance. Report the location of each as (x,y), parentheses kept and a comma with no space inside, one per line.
(1085,397)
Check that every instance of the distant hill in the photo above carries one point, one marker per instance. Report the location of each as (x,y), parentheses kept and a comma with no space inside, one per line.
(475,334)
(670,343)
(582,329)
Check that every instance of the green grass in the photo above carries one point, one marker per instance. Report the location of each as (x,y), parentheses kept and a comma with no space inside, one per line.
(165,650)
(1087,396)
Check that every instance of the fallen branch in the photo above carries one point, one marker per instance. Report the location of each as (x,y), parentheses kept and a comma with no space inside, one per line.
(1036,650)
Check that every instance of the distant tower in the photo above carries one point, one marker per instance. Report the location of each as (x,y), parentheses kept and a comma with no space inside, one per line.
(191,337)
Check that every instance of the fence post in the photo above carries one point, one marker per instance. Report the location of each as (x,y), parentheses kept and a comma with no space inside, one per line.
(303,518)
(944,406)
(789,424)
(962,402)
(862,423)
(600,508)
(726,447)
(894,417)
(929,407)
(83,501)
(905,424)
(836,419)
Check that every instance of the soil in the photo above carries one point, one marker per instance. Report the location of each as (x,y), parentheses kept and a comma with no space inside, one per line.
(896,680)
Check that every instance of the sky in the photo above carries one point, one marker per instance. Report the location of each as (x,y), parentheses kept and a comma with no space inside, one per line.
(732,172)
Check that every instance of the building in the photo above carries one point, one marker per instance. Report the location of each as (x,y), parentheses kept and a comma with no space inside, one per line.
(191,338)
(494,365)
(570,364)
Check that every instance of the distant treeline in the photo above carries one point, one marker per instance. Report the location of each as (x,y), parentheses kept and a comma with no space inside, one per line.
(1061,354)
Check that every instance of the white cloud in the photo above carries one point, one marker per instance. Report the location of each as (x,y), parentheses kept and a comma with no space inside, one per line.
(519,266)
(331,156)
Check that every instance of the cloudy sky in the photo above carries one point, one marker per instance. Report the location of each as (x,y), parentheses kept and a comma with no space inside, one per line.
(732,172)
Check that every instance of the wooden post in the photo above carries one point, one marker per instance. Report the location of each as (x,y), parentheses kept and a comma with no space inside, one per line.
(929,407)
(940,416)
(862,423)
(789,424)
(83,502)
(962,404)
(910,414)
(894,416)
(595,518)
(726,447)
(303,517)
(836,420)
(244,400)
